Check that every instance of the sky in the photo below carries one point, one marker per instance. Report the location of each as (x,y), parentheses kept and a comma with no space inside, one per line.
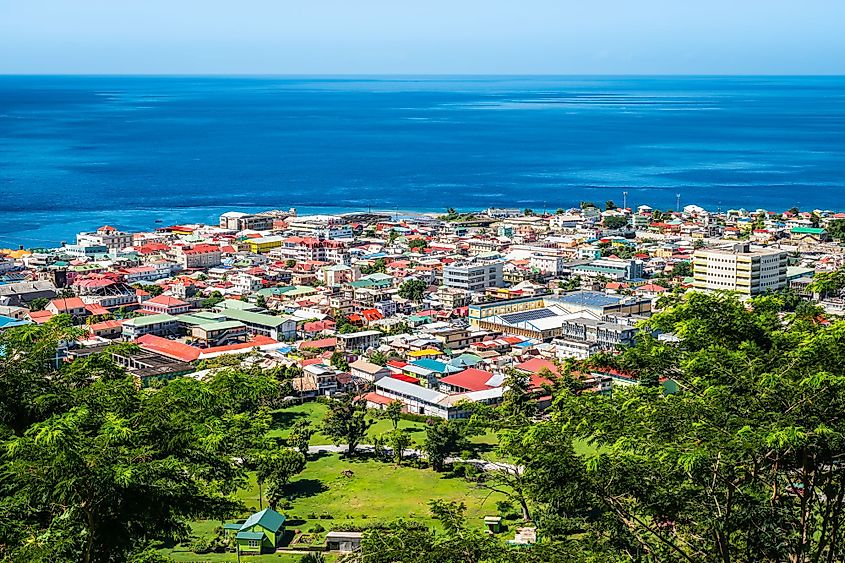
(422,37)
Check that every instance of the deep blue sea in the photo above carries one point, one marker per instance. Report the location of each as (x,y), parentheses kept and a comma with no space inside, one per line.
(78,152)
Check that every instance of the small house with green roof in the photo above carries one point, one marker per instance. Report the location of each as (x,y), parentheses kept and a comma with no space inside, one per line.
(261,532)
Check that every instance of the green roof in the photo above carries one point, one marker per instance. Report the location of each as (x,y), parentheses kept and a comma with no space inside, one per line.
(220,325)
(151,320)
(267,291)
(808,231)
(201,317)
(255,318)
(249,536)
(267,518)
(231,526)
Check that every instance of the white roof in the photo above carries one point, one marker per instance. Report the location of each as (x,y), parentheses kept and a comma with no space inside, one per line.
(411,390)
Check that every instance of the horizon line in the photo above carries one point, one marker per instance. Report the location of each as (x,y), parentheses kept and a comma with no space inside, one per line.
(421,75)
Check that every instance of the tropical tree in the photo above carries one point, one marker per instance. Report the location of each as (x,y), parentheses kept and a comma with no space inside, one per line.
(277,469)
(94,467)
(300,436)
(346,422)
(393,412)
(398,440)
(413,290)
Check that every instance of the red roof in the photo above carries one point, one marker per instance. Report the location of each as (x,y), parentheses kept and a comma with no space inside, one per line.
(169,348)
(534,366)
(372,314)
(470,379)
(105,325)
(66,303)
(321,343)
(165,300)
(405,378)
(96,309)
(376,398)
(653,287)
(40,317)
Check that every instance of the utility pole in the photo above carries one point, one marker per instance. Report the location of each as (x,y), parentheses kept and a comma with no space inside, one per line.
(677,202)
(624,200)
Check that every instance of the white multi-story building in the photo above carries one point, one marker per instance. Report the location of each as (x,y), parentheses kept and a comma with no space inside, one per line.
(106,236)
(475,275)
(237,221)
(744,269)
(321,226)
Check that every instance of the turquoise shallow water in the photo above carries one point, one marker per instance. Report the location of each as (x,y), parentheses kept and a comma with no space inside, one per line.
(77,152)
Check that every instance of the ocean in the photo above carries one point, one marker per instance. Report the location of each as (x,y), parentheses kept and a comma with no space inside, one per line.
(77,152)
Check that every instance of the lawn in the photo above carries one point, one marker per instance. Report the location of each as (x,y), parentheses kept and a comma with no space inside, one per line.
(285,418)
(374,491)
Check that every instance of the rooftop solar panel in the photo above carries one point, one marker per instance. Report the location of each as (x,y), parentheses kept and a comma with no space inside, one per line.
(525,316)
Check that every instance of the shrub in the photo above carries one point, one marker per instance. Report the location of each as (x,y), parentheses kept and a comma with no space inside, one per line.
(316,529)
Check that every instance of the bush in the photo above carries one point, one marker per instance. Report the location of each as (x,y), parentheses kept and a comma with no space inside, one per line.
(312,516)
(326,516)
(316,529)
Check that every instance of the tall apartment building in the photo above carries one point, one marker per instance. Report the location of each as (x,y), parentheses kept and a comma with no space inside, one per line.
(237,221)
(106,236)
(474,276)
(741,268)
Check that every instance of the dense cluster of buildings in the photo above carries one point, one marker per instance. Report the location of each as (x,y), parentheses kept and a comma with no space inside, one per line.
(429,311)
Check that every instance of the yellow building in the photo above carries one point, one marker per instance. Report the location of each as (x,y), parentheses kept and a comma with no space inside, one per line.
(264,244)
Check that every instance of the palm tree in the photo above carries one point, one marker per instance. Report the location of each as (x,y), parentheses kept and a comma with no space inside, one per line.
(313,557)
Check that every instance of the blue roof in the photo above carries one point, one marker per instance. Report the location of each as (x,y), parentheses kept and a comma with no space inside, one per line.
(9,322)
(267,518)
(589,298)
(433,365)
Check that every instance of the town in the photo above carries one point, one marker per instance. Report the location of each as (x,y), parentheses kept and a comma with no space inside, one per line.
(430,314)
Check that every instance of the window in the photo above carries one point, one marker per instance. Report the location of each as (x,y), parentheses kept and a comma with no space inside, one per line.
(254,543)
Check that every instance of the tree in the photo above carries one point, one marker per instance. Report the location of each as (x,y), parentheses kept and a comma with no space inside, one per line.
(393,412)
(38,304)
(528,212)
(346,422)
(444,438)
(379,266)
(261,301)
(398,440)
(392,236)
(614,222)
(212,300)
(413,290)
(418,244)
(94,467)
(836,229)
(517,402)
(277,469)
(682,269)
(608,205)
(586,204)
(300,436)
(339,360)
(153,289)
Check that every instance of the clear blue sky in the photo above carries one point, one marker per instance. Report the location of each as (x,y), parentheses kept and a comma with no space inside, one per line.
(423,36)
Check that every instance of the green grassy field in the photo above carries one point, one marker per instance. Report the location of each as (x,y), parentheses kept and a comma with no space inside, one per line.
(284,419)
(374,492)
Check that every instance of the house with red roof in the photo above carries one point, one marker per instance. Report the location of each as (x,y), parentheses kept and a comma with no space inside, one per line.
(470,379)
(73,306)
(165,304)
